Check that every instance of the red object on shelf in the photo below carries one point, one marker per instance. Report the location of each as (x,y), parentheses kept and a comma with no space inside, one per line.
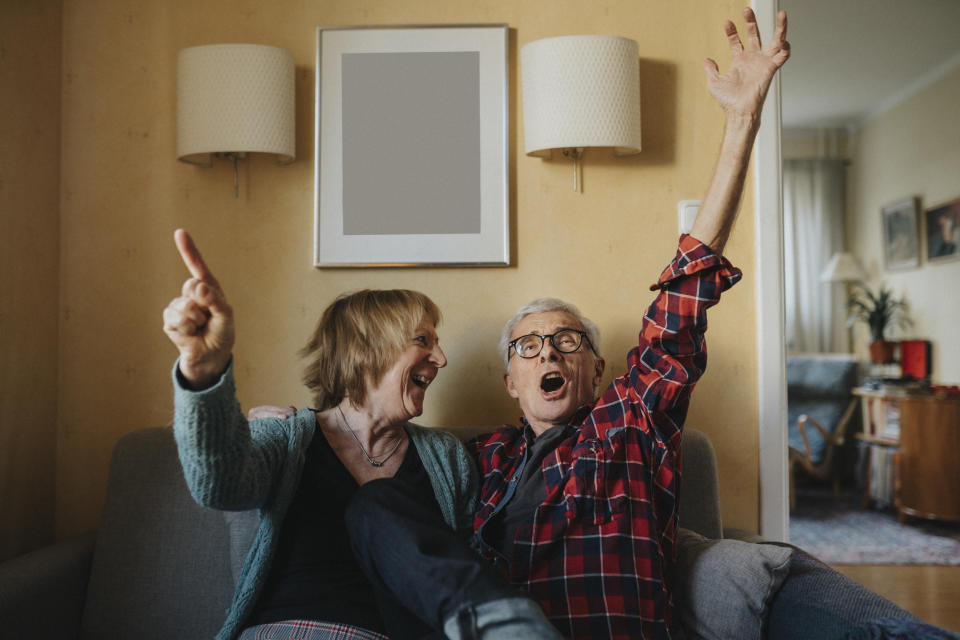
(944,390)
(915,359)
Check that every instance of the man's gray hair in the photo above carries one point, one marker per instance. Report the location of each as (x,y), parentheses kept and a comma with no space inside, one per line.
(545,305)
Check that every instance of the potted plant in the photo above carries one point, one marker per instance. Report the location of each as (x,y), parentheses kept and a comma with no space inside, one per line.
(879,312)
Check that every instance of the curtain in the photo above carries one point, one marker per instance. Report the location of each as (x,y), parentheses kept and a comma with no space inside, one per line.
(813,205)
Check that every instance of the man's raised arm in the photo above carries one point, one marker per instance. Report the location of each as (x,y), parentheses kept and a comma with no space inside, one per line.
(741,92)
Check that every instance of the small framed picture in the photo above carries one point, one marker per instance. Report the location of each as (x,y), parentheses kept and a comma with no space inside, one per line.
(942,226)
(411,146)
(901,243)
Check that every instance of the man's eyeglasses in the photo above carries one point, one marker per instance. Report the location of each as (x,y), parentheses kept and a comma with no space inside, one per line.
(564,341)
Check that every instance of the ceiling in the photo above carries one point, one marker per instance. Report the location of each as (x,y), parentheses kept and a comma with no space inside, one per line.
(854,58)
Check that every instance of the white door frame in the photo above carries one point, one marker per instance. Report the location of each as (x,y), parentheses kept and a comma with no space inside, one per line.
(771,350)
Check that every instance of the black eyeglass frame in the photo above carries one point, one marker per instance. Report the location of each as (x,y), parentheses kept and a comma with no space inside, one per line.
(512,345)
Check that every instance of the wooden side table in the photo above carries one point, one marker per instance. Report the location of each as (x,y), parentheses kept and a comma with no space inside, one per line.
(929,458)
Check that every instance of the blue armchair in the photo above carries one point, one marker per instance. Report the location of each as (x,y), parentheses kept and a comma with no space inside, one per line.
(820,408)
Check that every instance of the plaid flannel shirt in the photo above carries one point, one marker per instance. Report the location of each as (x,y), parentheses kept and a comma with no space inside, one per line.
(599,552)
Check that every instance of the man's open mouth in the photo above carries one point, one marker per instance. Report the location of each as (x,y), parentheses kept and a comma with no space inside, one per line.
(551,382)
(421,381)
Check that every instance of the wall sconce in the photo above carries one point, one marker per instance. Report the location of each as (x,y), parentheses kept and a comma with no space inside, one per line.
(581,91)
(233,99)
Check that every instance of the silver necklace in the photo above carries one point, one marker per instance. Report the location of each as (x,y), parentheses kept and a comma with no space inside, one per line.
(373,463)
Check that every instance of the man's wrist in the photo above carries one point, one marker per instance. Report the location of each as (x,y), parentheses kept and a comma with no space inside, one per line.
(743,123)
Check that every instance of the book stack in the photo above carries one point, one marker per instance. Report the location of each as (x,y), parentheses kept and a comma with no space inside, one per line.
(881,476)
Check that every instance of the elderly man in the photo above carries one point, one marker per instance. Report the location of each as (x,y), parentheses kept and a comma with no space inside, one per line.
(578,505)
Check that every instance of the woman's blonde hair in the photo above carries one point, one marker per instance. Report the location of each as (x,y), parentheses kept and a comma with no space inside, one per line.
(358,337)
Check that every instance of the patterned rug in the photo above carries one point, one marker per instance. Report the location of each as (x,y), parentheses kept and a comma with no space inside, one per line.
(845,532)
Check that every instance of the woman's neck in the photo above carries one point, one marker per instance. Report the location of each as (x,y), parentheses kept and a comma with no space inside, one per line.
(375,432)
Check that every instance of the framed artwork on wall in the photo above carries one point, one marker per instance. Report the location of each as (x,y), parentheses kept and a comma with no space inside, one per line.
(411,146)
(901,242)
(942,227)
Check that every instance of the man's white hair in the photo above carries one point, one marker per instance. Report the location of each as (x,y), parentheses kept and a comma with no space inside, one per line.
(544,305)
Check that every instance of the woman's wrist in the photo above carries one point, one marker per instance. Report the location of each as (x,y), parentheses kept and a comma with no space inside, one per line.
(198,376)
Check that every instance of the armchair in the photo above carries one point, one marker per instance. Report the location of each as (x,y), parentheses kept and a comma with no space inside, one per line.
(820,409)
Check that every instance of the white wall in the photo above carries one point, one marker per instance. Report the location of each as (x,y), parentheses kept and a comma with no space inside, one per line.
(911,150)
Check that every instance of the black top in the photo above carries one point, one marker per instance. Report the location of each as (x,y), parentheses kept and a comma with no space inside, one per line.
(530,492)
(314,575)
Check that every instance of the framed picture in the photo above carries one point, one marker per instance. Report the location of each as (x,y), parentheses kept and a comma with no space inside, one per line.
(942,226)
(411,146)
(901,243)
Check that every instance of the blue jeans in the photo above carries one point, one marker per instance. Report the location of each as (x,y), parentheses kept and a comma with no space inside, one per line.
(413,559)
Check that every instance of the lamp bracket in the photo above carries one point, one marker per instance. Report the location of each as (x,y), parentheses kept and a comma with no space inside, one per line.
(576,152)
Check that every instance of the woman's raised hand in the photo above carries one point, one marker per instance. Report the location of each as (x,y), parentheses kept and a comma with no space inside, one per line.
(199,322)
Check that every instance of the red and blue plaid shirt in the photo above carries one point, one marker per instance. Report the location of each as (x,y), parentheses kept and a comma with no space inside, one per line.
(599,552)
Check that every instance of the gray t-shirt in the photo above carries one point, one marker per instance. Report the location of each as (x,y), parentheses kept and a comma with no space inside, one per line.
(531,490)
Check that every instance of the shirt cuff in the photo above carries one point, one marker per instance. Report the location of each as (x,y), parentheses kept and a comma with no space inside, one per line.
(694,257)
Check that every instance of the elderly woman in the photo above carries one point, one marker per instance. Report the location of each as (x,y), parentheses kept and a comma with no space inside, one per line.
(370,361)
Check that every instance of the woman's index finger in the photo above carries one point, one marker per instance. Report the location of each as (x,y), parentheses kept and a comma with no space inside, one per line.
(192,258)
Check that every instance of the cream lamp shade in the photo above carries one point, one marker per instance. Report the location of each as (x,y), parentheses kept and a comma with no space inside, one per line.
(581,91)
(233,99)
(843,267)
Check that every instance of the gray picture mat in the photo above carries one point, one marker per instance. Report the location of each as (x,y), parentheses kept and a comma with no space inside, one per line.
(411,143)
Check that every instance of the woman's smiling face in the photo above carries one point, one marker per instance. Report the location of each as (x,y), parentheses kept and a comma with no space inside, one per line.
(402,388)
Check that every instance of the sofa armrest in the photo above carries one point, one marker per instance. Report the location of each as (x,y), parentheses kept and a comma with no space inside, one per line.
(42,592)
(742,534)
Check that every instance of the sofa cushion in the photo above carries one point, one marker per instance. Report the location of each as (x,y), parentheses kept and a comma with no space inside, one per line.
(899,629)
(161,563)
(724,587)
(816,597)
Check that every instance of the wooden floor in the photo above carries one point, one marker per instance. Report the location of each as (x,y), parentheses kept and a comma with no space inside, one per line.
(930,593)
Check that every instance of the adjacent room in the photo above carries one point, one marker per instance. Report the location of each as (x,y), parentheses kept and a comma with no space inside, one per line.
(870,170)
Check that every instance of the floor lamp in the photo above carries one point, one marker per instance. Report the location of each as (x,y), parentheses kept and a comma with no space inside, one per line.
(844,268)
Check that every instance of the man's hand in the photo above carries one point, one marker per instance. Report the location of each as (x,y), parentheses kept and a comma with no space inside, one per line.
(742,90)
(199,322)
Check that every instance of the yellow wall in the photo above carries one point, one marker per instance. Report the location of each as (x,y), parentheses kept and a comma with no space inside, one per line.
(123,194)
(911,150)
(29,263)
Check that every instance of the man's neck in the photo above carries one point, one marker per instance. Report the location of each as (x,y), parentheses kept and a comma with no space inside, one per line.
(539,427)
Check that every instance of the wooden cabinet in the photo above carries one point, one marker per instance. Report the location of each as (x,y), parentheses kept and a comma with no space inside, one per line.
(928,460)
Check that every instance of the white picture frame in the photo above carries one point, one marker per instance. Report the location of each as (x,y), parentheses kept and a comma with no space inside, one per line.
(411,146)
(901,242)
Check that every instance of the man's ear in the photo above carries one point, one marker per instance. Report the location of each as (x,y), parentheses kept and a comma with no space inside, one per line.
(508,383)
(599,366)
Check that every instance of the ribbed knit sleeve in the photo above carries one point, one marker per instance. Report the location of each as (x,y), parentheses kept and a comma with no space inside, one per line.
(226,465)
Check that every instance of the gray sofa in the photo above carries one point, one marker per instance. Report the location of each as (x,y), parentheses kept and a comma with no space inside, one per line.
(162,567)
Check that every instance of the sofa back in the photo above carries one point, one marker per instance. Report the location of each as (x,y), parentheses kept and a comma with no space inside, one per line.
(164,567)
(161,565)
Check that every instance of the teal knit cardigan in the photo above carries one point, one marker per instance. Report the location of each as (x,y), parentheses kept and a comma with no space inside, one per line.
(235,465)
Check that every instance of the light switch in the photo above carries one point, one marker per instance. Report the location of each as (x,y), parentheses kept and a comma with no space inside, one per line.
(687,213)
